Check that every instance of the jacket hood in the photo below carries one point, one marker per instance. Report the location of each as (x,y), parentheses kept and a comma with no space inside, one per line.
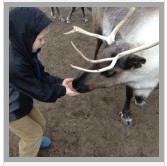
(25,23)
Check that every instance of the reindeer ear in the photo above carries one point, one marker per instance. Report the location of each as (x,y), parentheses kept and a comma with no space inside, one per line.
(132,61)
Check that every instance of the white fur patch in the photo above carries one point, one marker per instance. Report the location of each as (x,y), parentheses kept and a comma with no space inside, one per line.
(141,29)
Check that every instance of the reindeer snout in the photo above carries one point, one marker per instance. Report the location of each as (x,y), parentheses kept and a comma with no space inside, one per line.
(75,85)
(78,86)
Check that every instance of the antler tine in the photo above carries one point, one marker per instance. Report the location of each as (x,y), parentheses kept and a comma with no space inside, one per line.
(137,49)
(98,70)
(80,30)
(109,39)
(90,60)
(118,56)
(116,29)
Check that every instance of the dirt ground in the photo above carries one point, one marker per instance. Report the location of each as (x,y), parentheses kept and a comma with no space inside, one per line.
(89,125)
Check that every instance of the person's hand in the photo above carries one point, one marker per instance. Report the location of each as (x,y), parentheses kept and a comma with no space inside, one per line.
(68,84)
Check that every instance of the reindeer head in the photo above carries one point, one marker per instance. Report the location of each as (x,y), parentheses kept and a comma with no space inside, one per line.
(111,62)
(103,73)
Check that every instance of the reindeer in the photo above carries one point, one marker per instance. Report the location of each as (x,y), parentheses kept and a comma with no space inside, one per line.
(129,56)
(68,19)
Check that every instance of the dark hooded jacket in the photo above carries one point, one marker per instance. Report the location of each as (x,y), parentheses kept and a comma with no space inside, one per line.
(27,78)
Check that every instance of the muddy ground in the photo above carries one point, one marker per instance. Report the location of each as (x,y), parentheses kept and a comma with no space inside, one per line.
(89,125)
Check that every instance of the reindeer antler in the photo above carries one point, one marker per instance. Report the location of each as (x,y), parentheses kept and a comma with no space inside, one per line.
(114,59)
(109,39)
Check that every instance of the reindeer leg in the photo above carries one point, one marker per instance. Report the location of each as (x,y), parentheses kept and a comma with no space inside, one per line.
(139,101)
(83,14)
(68,19)
(53,13)
(60,15)
(141,95)
(126,114)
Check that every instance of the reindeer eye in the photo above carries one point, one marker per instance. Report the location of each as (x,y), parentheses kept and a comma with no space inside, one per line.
(108,73)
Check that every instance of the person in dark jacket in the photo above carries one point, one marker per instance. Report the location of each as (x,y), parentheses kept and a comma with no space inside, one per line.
(28,80)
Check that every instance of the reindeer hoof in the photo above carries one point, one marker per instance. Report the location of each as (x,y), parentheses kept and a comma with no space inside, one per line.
(53,16)
(127,121)
(84,19)
(68,21)
(142,104)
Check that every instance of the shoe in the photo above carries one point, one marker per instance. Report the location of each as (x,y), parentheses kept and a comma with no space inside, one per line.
(45,142)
